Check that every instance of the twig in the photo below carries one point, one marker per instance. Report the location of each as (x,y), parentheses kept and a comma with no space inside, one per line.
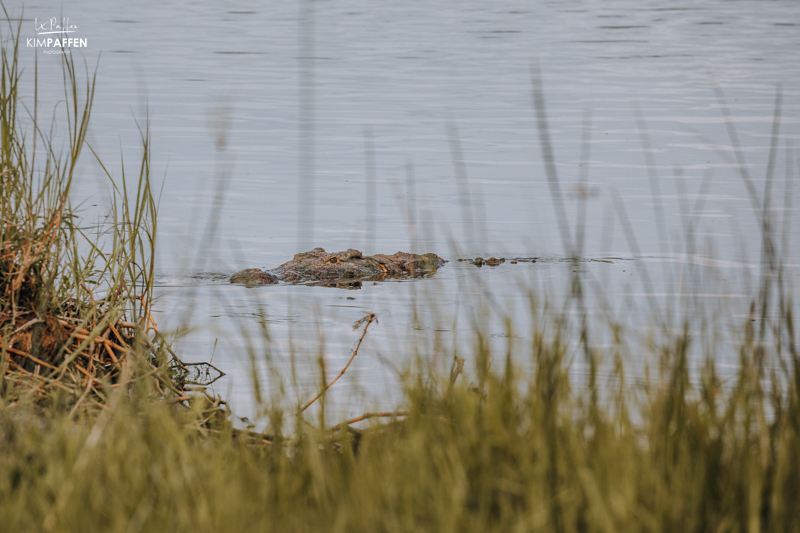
(369,319)
(100,340)
(111,353)
(118,336)
(369,415)
(29,356)
(26,325)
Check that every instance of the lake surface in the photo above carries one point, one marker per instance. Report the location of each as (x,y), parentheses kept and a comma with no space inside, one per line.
(266,119)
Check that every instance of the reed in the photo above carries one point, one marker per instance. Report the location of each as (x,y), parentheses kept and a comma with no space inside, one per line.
(74,300)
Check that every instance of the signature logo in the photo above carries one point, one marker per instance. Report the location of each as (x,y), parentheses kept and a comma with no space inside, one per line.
(55,36)
(52,26)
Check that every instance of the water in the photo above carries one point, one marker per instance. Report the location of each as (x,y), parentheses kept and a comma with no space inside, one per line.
(223,88)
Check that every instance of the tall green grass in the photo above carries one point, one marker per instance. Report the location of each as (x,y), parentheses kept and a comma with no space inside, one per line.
(74,299)
(512,450)
(514,443)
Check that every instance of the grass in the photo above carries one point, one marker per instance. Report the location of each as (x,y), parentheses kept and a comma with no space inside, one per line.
(512,451)
(74,301)
(501,446)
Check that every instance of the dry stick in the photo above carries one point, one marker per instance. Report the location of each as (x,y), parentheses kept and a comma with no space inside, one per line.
(83,334)
(29,356)
(147,317)
(369,415)
(101,340)
(118,336)
(369,318)
(106,336)
(85,372)
(111,354)
(153,322)
(83,345)
(26,325)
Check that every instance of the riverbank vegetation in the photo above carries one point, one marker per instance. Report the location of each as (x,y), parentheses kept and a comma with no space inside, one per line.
(74,301)
(100,430)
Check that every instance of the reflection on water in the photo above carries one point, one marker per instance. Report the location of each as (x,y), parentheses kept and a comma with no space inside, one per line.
(411,126)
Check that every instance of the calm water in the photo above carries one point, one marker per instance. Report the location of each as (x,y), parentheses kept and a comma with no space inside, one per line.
(260,114)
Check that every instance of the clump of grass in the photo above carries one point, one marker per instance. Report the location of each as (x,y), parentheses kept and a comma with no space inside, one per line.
(505,450)
(72,307)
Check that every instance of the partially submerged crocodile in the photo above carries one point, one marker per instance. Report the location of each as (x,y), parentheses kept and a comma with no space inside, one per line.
(342,269)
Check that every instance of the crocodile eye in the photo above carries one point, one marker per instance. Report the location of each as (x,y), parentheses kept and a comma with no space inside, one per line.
(334,260)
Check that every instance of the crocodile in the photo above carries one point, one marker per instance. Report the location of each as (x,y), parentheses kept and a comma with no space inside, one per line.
(342,269)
